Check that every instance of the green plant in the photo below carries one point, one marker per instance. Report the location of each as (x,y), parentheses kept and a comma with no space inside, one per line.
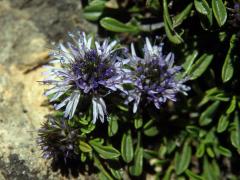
(198,137)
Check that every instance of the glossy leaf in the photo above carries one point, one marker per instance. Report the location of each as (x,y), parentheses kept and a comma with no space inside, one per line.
(202,6)
(183,159)
(127,147)
(228,69)
(205,13)
(219,11)
(114,25)
(106,152)
(200,66)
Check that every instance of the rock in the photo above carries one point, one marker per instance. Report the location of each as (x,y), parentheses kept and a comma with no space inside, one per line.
(26,29)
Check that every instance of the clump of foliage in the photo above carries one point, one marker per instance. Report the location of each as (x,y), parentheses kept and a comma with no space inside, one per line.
(196,137)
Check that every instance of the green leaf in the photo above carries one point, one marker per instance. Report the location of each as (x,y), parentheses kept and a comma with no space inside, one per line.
(232,105)
(178,19)
(150,129)
(235,131)
(192,175)
(112,126)
(202,6)
(137,167)
(84,147)
(207,170)
(223,123)
(193,130)
(207,115)
(168,25)
(205,13)
(176,39)
(210,152)
(114,25)
(88,129)
(166,15)
(224,151)
(168,173)
(200,66)
(104,174)
(182,160)
(200,150)
(149,154)
(122,107)
(189,61)
(138,123)
(94,10)
(127,147)
(219,11)
(155,4)
(106,152)
(117,174)
(228,69)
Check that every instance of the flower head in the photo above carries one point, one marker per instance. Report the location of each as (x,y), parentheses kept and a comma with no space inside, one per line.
(86,69)
(154,76)
(57,139)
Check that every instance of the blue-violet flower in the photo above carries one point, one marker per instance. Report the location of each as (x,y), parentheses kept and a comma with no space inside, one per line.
(154,76)
(87,69)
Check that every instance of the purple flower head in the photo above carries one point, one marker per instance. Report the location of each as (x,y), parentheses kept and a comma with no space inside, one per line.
(154,77)
(57,139)
(87,68)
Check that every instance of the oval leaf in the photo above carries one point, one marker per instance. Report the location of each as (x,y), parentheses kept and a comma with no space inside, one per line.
(235,132)
(183,159)
(207,115)
(137,167)
(232,105)
(219,11)
(112,126)
(202,6)
(200,66)
(223,123)
(127,147)
(84,147)
(224,151)
(227,69)
(106,152)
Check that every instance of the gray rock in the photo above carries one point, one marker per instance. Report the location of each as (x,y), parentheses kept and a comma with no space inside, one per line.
(26,28)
